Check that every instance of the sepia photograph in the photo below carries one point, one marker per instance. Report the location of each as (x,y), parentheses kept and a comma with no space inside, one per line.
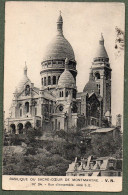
(63,96)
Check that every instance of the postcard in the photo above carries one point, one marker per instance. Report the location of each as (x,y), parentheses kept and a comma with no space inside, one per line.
(63,96)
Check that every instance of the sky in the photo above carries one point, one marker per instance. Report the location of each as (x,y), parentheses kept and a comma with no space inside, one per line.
(30,26)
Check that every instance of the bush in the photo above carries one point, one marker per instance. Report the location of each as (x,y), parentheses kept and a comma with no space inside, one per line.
(104,145)
(53,158)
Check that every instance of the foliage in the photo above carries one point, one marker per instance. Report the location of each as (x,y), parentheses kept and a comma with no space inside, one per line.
(41,157)
(106,145)
(41,163)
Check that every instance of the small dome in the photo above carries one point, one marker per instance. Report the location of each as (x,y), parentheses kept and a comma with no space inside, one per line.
(101,51)
(66,78)
(23,81)
(91,85)
(59,48)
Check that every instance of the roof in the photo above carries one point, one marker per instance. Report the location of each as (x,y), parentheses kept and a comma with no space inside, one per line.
(22,82)
(36,90)
(103,130)
(59,47)
(48,95)
(91,86)
(106,157)
(90,127)
(66,78)
(101,51)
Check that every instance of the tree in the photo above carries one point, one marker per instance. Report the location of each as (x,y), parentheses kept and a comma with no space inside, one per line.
(104,145)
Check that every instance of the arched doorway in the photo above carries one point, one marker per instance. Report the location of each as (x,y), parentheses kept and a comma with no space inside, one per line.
(13,128)
(20,128)
(28,125)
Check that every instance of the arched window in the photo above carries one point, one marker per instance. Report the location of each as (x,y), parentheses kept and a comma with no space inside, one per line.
(66,93)
(49,80)
(58,125)
(27,90)
(20,112)
(27,107)
(98,85)
(35,111)
(54,80)
(97,76)
(28,125)
(74,93)
(58,78)
(62,94)
(55,124)
(42,81)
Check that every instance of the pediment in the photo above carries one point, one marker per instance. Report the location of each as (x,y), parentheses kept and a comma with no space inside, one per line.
(28,92)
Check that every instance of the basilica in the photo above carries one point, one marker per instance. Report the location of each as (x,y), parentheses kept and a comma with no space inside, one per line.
(57,105)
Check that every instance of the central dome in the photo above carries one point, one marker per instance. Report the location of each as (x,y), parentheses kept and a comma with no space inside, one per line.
(59,48)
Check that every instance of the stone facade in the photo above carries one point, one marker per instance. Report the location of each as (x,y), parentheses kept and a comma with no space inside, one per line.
(57,104)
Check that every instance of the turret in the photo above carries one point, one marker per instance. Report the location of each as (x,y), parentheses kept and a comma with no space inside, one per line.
(102,75)
(66,84)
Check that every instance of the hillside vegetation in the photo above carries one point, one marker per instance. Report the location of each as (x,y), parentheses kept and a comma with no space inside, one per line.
(33,154)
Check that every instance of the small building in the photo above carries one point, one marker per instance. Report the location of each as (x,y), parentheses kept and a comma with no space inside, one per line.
(113,132)
(92,166)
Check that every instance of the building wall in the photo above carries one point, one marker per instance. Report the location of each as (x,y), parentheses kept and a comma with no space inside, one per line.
(105,85)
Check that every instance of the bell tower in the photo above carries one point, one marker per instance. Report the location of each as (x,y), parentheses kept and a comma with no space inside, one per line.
(102,75)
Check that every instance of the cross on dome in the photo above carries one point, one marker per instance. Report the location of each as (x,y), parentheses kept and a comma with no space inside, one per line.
(101,41)
(102,36)
(25,69)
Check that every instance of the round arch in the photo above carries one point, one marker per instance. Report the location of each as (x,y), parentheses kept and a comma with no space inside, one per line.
(28,125)
(13,128)
(97,76)
(59,108)
(20,128)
